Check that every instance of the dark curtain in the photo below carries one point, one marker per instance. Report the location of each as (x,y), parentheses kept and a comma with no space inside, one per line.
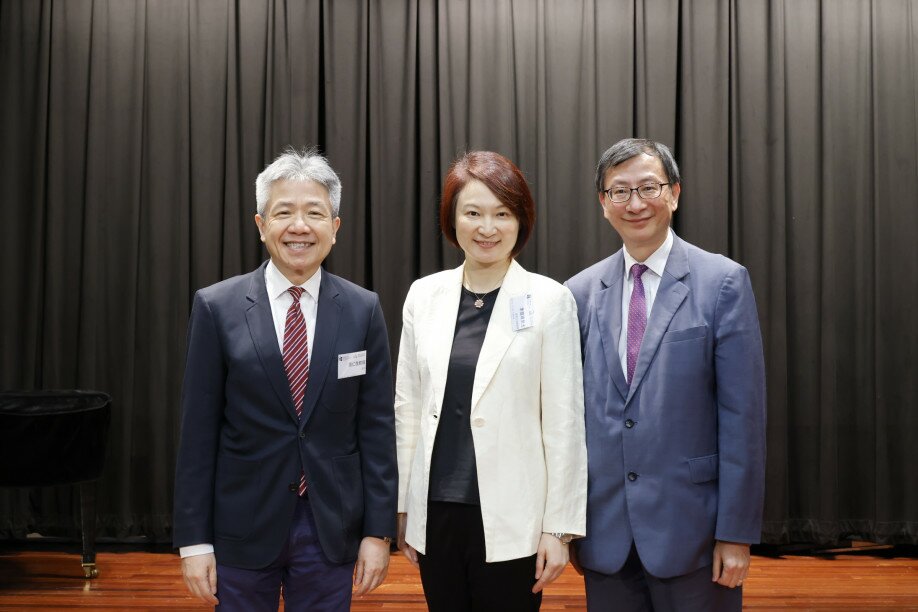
(132,133)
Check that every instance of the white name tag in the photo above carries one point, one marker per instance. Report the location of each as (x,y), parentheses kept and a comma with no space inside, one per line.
(521,312)
(352,364)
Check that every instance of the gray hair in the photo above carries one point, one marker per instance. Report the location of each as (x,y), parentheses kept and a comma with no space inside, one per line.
(294,165)
(623,150)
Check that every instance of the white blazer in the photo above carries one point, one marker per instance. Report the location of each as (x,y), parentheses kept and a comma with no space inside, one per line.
(526,418)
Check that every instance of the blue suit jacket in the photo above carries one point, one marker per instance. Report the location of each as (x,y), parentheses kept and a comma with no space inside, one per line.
(690,427)
(242,445)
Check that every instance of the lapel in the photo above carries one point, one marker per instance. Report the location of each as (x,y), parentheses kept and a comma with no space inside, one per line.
(441,326)
(500,334)
(671,294)
(609,315)
(328,316)
(261,327)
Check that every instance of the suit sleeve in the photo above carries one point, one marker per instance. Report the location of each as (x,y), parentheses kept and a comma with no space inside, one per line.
(740,384)
(563,436)
(202,410)
(376,432)
(407,400)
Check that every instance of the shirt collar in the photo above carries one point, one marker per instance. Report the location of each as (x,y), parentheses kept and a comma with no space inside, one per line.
(277,284)
(656,263)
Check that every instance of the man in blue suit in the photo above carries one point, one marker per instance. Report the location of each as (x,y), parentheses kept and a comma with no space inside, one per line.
(674,387)
(286,469)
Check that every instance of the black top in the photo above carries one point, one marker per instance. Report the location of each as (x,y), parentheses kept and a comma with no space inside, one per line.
(453,476)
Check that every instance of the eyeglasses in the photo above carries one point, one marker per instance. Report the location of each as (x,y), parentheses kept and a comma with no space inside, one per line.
(647,191)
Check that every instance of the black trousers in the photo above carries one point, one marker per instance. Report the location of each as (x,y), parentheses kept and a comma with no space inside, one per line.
(455,575)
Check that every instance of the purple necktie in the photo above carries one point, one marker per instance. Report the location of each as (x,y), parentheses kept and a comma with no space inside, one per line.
(637,318)
(296,359)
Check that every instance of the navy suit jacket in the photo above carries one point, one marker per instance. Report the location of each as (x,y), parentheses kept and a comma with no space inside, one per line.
(242,446)
(676,459)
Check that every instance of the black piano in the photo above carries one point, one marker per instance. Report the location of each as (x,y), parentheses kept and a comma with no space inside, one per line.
(50,438)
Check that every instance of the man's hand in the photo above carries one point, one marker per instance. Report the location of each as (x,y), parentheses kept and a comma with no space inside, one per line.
(200,574)
(550,561)
(731,563)
(410,553)
(372,565)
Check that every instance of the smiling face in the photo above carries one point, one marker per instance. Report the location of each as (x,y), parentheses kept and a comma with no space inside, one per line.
(298,228)
(642,224)
(486,229)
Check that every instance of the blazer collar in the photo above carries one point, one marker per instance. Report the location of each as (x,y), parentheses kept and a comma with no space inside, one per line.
(498,337)
(609,314)
(671,294)
(328,318)
(500,333)
(443,305)
(261,327)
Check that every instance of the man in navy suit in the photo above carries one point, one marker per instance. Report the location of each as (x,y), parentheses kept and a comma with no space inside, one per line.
(286,469)
(674,388)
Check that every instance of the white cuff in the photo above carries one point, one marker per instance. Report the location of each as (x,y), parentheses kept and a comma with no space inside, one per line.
(196,549)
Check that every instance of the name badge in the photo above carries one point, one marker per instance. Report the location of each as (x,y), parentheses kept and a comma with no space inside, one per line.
(352,364)
(522,313)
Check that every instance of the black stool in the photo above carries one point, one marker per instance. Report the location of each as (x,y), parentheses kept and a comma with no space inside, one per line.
(53,438)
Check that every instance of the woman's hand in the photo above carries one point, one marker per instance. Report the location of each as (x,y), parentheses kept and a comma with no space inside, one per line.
(550,562)
(410,553)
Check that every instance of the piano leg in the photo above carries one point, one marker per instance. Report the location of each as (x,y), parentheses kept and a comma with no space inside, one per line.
(88,523)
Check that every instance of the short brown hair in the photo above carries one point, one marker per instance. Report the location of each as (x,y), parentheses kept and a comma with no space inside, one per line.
(505,181)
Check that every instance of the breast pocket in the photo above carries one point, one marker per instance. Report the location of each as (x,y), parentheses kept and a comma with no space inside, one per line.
(522,360)
(342,397)
(682,335)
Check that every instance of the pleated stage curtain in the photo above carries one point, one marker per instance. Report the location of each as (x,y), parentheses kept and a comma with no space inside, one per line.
(131,133)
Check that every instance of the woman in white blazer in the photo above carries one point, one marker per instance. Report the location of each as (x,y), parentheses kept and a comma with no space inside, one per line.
(489,406)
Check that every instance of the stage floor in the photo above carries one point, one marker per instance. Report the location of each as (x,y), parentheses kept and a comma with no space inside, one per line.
(53,580)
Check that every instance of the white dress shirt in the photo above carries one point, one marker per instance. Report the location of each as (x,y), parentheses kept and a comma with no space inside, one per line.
(651,278)
(277,284)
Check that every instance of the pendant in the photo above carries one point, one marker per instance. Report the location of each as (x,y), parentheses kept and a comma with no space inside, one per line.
(479,303)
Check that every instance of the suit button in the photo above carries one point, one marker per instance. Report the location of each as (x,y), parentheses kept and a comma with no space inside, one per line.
(479,422)
(292,486)
(303,435)
(629,423)
(632,476)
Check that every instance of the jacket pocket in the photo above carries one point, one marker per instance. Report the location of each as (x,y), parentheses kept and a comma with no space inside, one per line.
(678,335)
(703,469)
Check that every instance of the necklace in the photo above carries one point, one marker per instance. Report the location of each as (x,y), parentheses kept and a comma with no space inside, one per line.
(479,299)
(479,302)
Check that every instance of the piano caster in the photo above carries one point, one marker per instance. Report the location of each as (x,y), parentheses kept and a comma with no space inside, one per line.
(89,570)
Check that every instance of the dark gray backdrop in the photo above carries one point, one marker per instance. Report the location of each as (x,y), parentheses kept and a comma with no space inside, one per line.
(132,132)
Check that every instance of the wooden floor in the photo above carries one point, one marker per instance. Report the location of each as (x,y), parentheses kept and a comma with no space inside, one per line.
(52,580)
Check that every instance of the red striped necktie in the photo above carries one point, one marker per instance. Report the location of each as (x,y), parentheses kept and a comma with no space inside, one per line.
(296,359)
